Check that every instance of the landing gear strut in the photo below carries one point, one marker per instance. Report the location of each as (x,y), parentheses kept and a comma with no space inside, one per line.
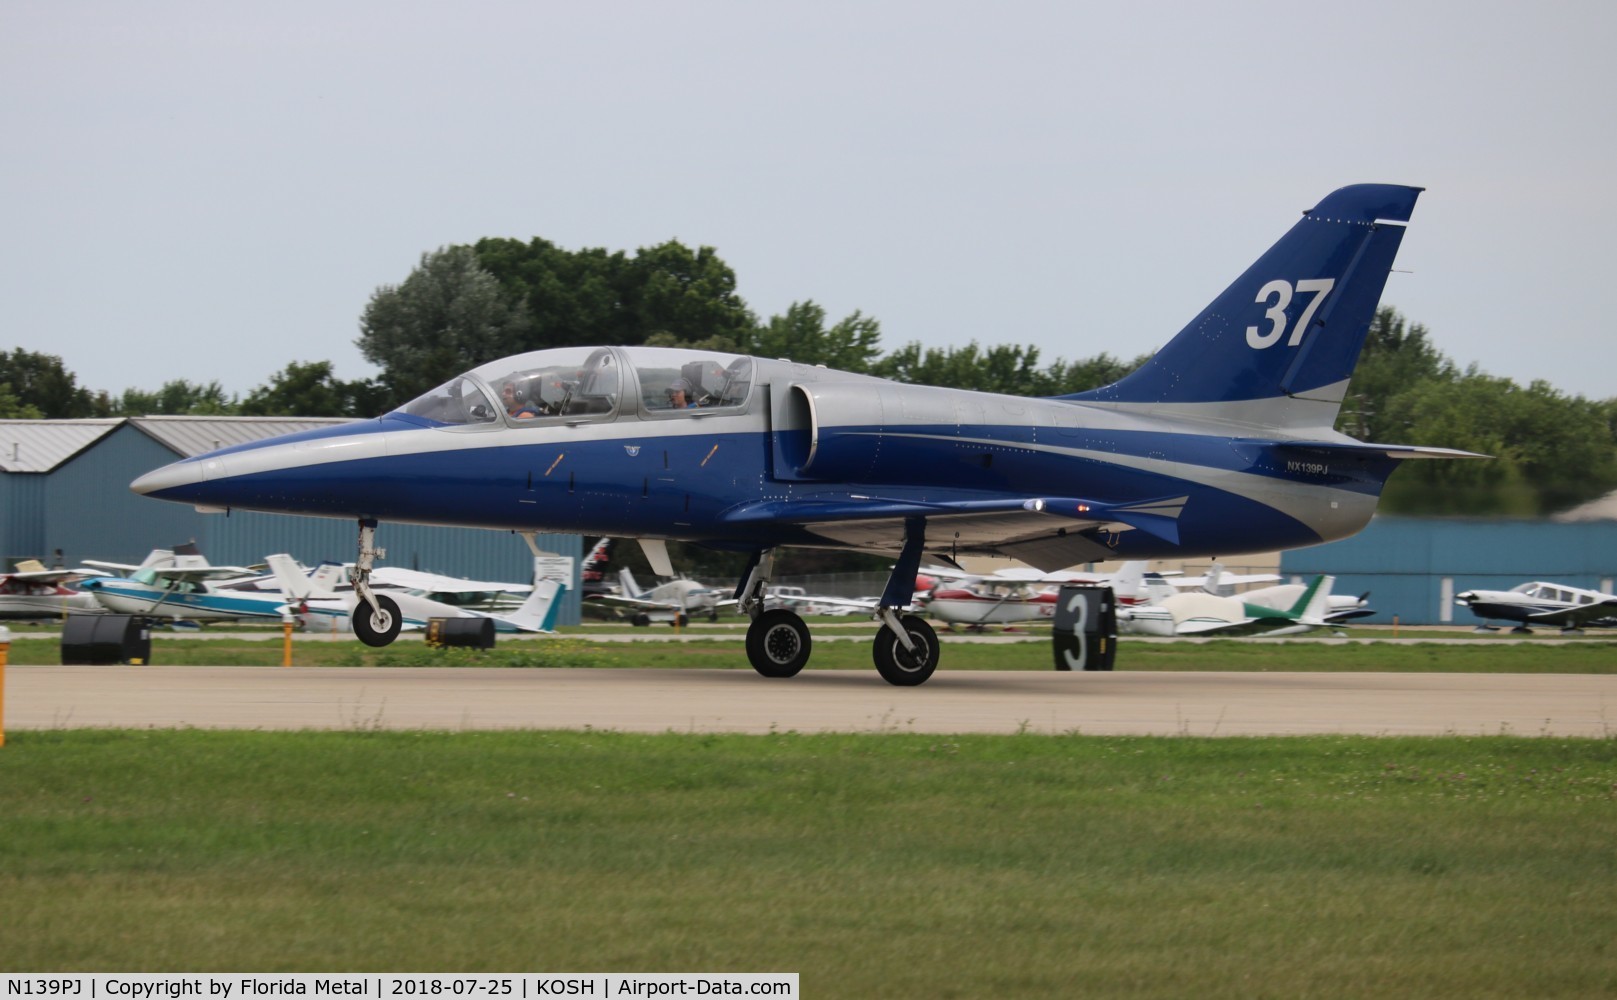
(905,664)
(376,618)
(778,642)
(906,648)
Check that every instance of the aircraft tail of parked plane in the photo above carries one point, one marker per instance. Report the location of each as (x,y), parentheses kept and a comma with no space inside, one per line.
(1221,444)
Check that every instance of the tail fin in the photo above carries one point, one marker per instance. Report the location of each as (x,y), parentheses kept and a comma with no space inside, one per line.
(328,578)
(538,612)
(630,588)
(289,575)
(1128,580)
(1288,332)
(188,556)
(1315,602)
(594,565)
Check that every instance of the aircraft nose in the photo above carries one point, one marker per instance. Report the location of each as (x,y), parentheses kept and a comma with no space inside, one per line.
(169,477)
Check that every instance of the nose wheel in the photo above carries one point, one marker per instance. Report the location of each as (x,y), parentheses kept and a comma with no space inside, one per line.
(778,643)
(377,624)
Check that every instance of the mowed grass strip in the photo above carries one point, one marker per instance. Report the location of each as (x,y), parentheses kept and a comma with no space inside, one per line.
(888,865)
(1582,657)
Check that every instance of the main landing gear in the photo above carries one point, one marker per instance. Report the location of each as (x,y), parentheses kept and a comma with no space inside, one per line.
(778,642)
(375,617)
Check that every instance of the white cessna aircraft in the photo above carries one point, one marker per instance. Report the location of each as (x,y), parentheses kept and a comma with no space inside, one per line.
(673,601)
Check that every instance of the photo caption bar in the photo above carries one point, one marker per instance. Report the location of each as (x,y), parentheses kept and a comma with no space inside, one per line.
(393,985)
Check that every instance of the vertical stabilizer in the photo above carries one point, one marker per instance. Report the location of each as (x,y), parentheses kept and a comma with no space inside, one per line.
(295,586)
(626,581)
(1315,602)
(538,612)
(1289,330)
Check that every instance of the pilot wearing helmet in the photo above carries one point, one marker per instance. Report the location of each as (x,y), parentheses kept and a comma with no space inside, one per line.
(515,401)
(679,395)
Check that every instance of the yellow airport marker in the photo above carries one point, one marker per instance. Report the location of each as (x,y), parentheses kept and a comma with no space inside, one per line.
(5,654)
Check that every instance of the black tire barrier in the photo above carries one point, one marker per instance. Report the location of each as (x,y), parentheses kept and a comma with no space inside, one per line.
(1084,630)
(99,640)
(476,633)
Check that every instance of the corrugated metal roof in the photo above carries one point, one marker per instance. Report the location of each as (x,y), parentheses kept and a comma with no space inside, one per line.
(191,436)
(42,445)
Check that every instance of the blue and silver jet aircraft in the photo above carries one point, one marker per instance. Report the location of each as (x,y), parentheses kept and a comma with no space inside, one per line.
(1222,443)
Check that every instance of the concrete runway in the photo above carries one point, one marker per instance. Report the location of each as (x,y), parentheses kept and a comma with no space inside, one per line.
(1191,704)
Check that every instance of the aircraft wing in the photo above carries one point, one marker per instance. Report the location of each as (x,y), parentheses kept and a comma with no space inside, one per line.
(1047,532)
(417,580)
(640,603)
(1583,614)
(194,573)
(114,567)
(1277,625)
(1225,578)
(836,602)
(43,575)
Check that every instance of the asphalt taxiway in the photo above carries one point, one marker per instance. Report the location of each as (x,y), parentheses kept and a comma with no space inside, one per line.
(738,700)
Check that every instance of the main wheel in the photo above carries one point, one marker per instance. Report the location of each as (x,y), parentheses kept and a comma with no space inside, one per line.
(778,643)
(380,625)
(898,665)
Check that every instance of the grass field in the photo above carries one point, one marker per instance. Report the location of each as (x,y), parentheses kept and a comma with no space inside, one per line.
(876,865)
(890,865)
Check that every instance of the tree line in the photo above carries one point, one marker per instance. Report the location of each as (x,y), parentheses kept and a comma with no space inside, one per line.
(465,305)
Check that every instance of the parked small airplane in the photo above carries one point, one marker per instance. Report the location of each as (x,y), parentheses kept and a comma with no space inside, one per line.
(1542,603)
(1006,597)
(324,609)
(1200,613)
(1339,608)
(1222,443)
(32,591)
(181,584)
(672,601)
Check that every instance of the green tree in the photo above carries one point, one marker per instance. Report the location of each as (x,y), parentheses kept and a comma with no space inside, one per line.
(176,397)
(853,344)
(591,296)
(1396,358)
(689,294)
(1549,451)
(449,315)
(310,390)
(1004,368)
(1062,378)
(40,382)
(12,408)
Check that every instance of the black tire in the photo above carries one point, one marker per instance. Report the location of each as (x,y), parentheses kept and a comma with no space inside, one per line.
(778,643)
(380,625)
(681,619)
(899,666)
(641,620)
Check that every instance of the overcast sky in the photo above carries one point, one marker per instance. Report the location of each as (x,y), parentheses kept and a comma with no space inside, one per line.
(210,191)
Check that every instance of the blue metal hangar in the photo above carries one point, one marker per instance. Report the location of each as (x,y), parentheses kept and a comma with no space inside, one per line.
(64,498)
(1414,566)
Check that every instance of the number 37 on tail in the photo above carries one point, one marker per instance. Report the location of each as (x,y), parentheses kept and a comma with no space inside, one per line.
(1221,443)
